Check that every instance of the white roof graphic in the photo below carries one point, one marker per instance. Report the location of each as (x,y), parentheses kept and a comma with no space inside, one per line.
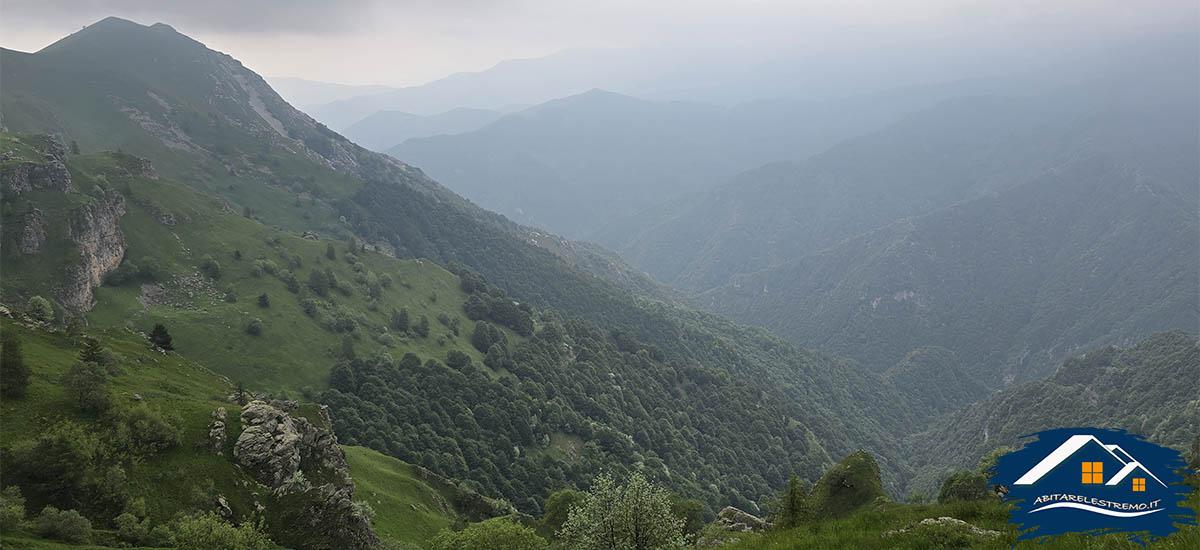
(1073,444)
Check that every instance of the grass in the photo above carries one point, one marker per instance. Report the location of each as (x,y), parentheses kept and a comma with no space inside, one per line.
(407,509)
(294,352)
(865,530)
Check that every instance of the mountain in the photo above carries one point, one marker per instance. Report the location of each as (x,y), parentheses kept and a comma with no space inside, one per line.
(303,93)
(578,164)
(950,152)
(386,129)
(197,190)
(1136,388)
(1090,253)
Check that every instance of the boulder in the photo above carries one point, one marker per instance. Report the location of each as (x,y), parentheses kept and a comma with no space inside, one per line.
(734,519)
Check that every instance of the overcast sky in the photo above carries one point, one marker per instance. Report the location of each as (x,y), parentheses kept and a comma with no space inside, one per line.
(407,42)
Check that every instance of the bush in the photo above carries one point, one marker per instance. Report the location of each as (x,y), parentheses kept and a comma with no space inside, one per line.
(206,531)
(494,534)
(255,327)
(39,308)
(210,267)
(64,525)
(130,530)
(12,508)
(151,432)
(965,485)
(160,337)
(264,300)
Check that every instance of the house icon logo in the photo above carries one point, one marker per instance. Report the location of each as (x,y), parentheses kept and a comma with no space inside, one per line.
(1088,480)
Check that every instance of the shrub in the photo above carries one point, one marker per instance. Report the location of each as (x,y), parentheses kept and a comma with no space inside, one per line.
(64,525)
(39,308)
(264,300)
(206,531)
(12,508)
(160,337)
(230,294)
(255,327)
(210,267)
(130,530)
(151,432)
(965,485)
(495,534)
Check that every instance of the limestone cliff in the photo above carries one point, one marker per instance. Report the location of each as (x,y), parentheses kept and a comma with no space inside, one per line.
(95,230)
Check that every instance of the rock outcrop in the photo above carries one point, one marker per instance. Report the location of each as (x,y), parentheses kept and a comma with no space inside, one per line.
(734,519)
(51,173)
(944,523)
(216,432)
(33,235)
(95,229)
(319,508)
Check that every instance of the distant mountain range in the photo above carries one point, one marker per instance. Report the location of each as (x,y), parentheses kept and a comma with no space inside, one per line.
(305,93)
(386,129)
(579,164)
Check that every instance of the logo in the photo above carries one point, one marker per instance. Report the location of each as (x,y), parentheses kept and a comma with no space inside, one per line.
(1094,481)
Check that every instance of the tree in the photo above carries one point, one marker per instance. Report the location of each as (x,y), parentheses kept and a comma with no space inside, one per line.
(39,308)
(793,504)
(399,320)
(264,300)
(422,327)
(92,352)
(12,508)
(457,360)
(635,517)
(87,384)
(14,374)
(318,282)
(330,251)
(502,533)
(160,337)
(255,327)
(558,508)
(241,394)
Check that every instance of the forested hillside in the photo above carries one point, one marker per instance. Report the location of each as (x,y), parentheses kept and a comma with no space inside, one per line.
(1146,388)
(1093,252)
(416,358)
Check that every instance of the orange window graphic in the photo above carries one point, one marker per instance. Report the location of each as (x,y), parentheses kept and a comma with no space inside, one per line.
(1139,484)
(1093,472)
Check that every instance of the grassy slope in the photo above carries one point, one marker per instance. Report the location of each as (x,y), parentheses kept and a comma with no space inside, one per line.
(294,351)
(184,478)
(864,530)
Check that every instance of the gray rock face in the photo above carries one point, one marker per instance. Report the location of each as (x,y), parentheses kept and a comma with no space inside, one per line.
(52,173)
(272,447)
(95,229)
(735,519)
(216,432)
(33,235)
(269,445)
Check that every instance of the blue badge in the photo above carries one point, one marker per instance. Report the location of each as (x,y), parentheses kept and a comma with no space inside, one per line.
(1094,481)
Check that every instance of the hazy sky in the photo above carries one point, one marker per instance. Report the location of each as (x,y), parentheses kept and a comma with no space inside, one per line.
(408,42)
